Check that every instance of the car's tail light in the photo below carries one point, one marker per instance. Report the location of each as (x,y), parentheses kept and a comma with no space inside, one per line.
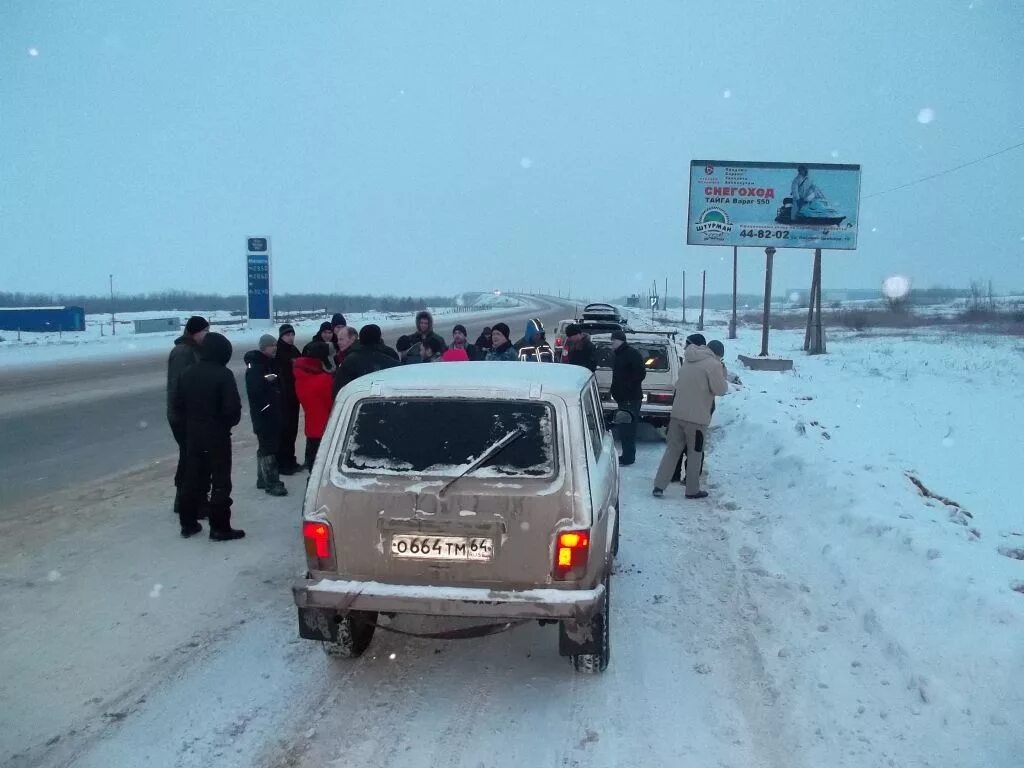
(661,398)
(319,546)
(559,341)
(571,551)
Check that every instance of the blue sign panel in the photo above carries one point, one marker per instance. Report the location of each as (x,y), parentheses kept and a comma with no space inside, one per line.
(785,205)
(258,271)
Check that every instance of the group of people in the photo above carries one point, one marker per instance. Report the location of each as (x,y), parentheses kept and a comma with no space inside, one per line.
(204,405)
(203,402)
(702,378)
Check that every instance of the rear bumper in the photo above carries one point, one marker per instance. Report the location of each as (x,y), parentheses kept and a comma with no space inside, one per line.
(341,596)
(647,411)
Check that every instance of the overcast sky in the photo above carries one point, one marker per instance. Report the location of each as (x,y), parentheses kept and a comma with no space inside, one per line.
(431,147)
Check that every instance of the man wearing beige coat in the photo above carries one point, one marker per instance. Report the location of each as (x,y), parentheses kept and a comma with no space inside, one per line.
(701,379)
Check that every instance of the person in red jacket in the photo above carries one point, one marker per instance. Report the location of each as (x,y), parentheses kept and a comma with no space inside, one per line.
(313,386)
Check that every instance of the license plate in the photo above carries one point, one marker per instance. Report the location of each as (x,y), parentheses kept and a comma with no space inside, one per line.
(442,547)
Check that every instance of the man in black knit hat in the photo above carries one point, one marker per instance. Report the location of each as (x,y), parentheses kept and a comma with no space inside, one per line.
(628,373)
(460,340)
(184,355)
(207,397)
(287,352)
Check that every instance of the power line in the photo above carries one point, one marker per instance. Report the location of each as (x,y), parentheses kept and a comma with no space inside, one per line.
(943,173)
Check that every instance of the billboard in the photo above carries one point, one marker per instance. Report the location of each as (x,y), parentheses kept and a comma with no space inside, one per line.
(785,205)
(257,265)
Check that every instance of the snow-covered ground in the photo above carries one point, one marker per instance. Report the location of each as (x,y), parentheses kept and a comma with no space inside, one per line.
(97,342)
(816,610)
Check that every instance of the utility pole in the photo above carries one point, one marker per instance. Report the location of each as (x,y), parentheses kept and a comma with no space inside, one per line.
(113,327)
(664,301)
(684,297)
(703,291)
(732,320)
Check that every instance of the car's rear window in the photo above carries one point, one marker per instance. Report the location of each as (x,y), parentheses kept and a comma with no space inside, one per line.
(655,355)
(442,437)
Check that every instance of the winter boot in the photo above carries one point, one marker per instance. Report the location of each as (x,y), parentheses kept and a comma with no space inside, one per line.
(220,524)
(273,484)
(261,472)
(228,534)
(289,469)
(190,529)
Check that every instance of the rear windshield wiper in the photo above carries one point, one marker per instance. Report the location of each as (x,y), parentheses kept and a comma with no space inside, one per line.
(486,456)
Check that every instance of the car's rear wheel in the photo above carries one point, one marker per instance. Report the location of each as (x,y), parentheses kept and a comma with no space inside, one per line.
(593,663)
(355,631)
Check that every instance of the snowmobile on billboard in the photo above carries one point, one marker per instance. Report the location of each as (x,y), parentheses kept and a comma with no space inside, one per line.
(807,204)
(815,214)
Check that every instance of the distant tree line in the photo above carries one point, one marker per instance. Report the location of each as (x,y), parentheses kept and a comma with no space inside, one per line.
(186,301)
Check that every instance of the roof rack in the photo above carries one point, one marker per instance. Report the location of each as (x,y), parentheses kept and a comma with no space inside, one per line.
(671,334)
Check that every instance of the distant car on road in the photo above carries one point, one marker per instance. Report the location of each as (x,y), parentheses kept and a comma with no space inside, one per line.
(661,358)
(487,490)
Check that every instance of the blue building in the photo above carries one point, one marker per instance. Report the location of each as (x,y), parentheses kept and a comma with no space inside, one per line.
(42,319)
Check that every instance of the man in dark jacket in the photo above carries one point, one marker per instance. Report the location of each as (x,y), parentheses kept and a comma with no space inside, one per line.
(368,356)
(483,341)
(581,350)
(338,324)
(424,328)
(262,385)
(628,373)
(460,340)
(325,334)
(287,353)
(184,355)
(207,398)
(534,347)
(501,345)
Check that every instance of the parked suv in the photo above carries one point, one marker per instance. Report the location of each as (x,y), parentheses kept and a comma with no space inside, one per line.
(485,490)
(661,357)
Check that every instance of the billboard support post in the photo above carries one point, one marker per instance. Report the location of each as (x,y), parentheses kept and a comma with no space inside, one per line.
(769,253)
(817,346)
(732,319)
(810,303)
(814,337)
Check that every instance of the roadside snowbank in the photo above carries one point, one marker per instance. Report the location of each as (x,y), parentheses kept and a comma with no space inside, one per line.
(96,341)
(886,619)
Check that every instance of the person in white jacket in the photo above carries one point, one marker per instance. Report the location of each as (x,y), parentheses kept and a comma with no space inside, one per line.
(701,380)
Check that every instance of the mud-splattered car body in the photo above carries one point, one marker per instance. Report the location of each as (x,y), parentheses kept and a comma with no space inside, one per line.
(463,489)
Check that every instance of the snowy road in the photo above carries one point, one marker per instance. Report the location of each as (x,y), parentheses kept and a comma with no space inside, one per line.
(78,421)
(816,611)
